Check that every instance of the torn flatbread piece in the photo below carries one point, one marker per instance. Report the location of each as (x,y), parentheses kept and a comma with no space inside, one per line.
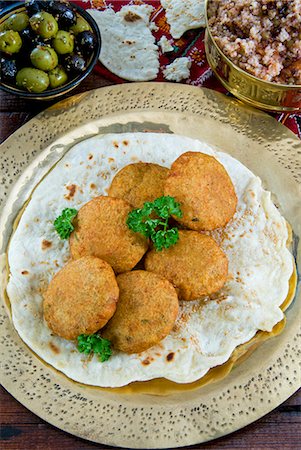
(128,46)
(184,15)
(178,70)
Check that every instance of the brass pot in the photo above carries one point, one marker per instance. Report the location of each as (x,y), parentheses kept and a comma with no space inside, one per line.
(261,94)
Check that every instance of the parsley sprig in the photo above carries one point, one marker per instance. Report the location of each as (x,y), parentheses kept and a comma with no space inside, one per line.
(152,221)
(63,223)
(92,343)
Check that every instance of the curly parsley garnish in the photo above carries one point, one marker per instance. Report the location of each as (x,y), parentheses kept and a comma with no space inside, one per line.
(92,343)
(63,223)
(143,220)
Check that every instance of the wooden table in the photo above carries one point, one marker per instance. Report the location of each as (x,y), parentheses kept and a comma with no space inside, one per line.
(22,430)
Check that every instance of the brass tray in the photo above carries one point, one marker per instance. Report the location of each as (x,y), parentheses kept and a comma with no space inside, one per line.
(258,385)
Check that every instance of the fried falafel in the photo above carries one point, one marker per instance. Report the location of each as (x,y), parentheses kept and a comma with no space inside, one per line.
(196,265)
(101,230)
(204,189)
(81,298)
(139,183)
(146,312)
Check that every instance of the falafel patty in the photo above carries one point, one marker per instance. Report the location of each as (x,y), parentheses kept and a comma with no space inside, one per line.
(139,183)
(146,312)
(101,230)
(196,265)
(204,189)
(81,298)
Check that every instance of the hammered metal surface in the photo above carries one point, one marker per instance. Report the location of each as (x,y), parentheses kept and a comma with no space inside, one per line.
(254,388)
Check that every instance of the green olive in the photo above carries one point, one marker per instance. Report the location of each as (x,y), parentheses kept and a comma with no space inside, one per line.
(3,26)
(44,24)
(63,42)
(57,77)
(44,58)
(17,22)
(80,25)
(10,42)
(33,80)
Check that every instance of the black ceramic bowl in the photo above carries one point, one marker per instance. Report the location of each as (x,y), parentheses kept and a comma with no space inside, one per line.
(50,94)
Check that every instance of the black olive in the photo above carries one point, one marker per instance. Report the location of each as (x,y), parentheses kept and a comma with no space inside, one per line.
(30,40)
(74,64)
(27,36)
(56,7)
(23,60)
(8,70)
(66,19)
(34,6)
(64,14)
(85,42)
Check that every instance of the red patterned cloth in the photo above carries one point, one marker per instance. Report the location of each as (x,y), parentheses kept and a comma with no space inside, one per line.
(191,44)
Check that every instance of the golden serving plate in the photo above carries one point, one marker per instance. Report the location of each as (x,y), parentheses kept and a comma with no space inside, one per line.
(251,90)
(256,386)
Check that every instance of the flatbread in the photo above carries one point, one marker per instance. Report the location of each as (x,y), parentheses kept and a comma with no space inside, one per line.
(206,332)
(128,47)
(184,15)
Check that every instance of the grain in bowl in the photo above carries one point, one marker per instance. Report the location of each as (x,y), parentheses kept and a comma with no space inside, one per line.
(263,37)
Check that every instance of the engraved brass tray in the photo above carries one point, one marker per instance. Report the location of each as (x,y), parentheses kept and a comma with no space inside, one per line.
(259,384)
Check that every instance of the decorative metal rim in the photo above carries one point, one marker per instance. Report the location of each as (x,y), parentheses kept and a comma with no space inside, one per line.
(255,387)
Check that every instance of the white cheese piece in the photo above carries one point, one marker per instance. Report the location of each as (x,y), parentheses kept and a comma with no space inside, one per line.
(178,70)
(165,45)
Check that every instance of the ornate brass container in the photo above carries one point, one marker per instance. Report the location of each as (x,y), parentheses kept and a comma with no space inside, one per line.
(261,94)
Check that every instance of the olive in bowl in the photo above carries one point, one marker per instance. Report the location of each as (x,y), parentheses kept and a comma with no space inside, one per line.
(63,43)
(44,25)
(44,56)
(8,70)
(35,6)
(17,22)
(64,13)
(10,42)
(85,43)
(34,80)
